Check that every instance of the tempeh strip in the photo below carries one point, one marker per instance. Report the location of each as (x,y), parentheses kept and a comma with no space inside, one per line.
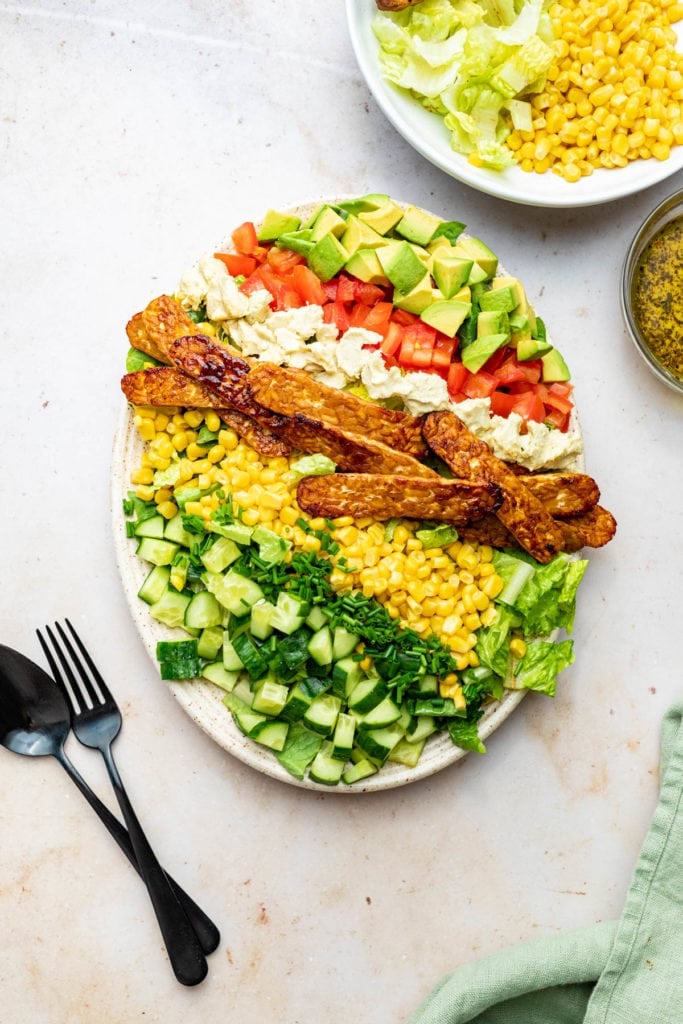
(591,529)
(563,494)
(521,512)
(160,322)
(385,496)
(290,391)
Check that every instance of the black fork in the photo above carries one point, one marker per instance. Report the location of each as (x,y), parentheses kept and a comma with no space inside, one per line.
(96,721)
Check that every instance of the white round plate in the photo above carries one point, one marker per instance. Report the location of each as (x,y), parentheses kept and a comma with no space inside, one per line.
(429,136)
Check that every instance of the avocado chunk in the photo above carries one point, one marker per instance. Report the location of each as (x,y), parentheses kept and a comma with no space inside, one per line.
(297,241)
(493,321)
(358,235)
(417,225)
(328,222)
(401,265)
(275,224)
(532,348)
(364,204)
(416,300)
(327,257)
(554,367)
(501,299)
(383,218)
(480,253)
(364,265)
(450,273)
(446,315)
(480,351)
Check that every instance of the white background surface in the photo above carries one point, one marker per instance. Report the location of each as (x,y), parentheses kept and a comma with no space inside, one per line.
(134,136)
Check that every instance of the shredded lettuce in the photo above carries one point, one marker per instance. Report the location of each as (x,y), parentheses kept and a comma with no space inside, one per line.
(473,62)
(540,666)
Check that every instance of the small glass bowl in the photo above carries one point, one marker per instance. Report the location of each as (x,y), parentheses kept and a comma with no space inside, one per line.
(669,210)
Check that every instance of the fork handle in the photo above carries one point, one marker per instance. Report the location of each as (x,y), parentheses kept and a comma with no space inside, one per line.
(206,931)
(186,955)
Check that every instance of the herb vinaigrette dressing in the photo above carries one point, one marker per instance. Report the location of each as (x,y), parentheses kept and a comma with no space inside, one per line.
(658,296)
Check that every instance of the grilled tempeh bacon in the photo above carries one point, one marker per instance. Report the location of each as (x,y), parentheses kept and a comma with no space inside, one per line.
(385,496)
(469,458)
(290,391)
(160,322)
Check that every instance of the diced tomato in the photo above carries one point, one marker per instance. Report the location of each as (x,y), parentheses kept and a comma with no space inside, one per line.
(346,288)
(557,419)
(502,403)
(368,293)
(444,347)
(372,318)
(417,346)
(509,371)
(560,388)
(236,264)
(283,261)
(245,239)
(392,339)
(330,289)
(402,316)
(529,406)
(308,285)
(495,361)
(253,283)
(457,375)
(479,385)
(532,370)
(336,313)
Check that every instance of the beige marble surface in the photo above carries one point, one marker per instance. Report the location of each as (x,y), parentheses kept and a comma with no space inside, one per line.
(133,137)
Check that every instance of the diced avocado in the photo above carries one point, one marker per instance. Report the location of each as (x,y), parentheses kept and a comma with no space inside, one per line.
(480,253)
(365,265)
(446,315)
(440,246)
(477,275)
(276,224)
(261,619)
(478,352)
(450,273)
(358,235)
(327,257)
(532,348)
(417,300)
(417,225)
(383,218)
(401,265)
(493,321)
(328,222)
(364,204)
(522,305)
(554,367)
(498,299)
(297,241)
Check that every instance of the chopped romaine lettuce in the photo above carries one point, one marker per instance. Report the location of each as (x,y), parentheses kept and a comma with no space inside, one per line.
(540,666)
(465,735)
(471,63)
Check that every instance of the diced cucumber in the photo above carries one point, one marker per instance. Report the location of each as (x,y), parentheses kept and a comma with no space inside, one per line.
(270,697)
(346,674)
(210,642)
(362,769)
(407,753)
(222,553)
(261,623)
(158,552)
(152,527)
(321,715)
(179,570)
(216,673)
(245,718)
(155,584)
(235,592)
(420,728)
(317,618)
(250,655)
(170,608)
(298,703)
(325,768)
(270,733)
(343,643)
(242,690)
(342,740)
(178,659)
(290,613)
(385,713)
(320,646)
(203,611)
(378,743)
(367,694)
(428,686)
(176,532)
(231,659)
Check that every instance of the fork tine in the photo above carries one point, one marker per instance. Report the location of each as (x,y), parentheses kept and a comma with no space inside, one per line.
(54,667)
(90,663)
(79,696)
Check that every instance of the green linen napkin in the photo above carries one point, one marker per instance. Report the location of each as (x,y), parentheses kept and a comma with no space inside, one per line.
(625,972)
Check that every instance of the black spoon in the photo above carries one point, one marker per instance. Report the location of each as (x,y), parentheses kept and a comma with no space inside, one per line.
(35,719)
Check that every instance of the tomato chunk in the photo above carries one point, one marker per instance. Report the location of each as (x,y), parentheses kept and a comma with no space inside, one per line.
(245,239)
(236,264)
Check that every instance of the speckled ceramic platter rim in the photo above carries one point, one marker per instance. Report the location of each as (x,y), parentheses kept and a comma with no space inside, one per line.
(202,700)
(427,134)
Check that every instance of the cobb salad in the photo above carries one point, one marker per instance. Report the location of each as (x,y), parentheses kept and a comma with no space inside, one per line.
(361,500)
